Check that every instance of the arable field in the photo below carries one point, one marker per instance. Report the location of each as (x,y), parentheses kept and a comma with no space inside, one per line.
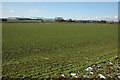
(59,50)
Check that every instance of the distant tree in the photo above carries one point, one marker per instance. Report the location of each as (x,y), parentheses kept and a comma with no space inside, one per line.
(103,21)
(4,20)
(59,19)
(70,20)
(41,20)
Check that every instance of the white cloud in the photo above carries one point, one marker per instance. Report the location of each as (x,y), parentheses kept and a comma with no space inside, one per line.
(50,17)
(108,18)
(11,11)
(115,16)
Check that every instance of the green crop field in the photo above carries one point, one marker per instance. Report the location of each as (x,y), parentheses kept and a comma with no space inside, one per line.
(46,50)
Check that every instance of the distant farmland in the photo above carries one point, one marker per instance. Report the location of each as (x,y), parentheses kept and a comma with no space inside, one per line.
(59,50)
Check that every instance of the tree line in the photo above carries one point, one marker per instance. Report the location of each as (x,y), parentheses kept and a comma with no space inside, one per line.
(61,19)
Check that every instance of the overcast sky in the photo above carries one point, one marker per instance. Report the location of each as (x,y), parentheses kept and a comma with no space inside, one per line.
(74,10)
